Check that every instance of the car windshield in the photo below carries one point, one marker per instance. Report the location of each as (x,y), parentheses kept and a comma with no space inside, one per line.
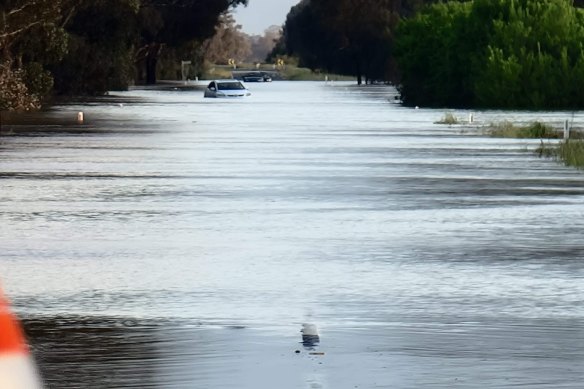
(229,85)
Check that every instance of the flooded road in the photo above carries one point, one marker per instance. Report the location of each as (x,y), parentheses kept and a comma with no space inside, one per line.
(181,242)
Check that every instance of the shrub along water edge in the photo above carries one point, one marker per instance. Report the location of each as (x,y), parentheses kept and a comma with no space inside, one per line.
(533,130)
(569,151)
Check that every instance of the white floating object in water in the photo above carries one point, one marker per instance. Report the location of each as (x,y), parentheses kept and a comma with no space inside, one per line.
(80,117)
(309,334)
(309,329)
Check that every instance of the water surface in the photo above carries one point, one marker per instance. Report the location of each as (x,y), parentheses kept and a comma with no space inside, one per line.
(179,242)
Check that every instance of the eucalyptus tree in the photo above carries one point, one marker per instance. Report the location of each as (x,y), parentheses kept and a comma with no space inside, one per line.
(262,45)
(305,36)
(32,34)
(100,52)
(363,34)
(173,23)
(229,42)
(22,21)
(353,37)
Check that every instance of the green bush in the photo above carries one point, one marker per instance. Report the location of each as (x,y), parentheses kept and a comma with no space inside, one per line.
(510,54)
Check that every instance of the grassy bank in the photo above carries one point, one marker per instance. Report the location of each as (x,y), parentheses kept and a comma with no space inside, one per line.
(535,130)
(569,151)
(287,72)
(572,152)
(294,73)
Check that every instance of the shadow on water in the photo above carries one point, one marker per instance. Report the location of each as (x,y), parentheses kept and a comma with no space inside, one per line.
(76,352)
(94,352)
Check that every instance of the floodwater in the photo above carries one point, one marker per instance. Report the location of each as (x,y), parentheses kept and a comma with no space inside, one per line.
(180,242)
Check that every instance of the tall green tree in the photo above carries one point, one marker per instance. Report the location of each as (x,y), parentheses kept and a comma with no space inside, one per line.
(433,59)
(533,55)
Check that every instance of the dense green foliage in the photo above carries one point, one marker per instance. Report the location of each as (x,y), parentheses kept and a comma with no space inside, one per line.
(494,53)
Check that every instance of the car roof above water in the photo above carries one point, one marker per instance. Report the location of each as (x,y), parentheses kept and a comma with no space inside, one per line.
(225,80)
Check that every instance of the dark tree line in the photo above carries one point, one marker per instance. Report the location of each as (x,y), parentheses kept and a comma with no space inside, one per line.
(353,37)
(91,46)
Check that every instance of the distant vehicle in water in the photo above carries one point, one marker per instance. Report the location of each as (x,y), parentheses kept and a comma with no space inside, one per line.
(256,77)
(253,77)
(226,88)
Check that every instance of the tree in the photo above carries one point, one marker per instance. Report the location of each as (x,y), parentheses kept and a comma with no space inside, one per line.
(307,36)
(227,43)
(31,36)
(102,34)
(173,23)
(20,18)
(533,55)
(433,58)
(361,34)
(262,45)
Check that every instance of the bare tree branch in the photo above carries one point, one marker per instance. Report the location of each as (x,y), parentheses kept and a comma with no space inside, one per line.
(20,30)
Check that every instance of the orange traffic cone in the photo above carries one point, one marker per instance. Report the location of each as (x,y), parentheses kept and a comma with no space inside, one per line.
(17,370)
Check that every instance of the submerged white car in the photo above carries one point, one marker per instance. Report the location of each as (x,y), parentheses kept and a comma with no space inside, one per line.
(226,88)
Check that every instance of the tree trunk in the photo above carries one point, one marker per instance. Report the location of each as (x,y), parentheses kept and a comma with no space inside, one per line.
(151,69)
(151,61)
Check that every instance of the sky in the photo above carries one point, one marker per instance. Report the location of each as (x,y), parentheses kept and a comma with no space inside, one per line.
(261,14)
